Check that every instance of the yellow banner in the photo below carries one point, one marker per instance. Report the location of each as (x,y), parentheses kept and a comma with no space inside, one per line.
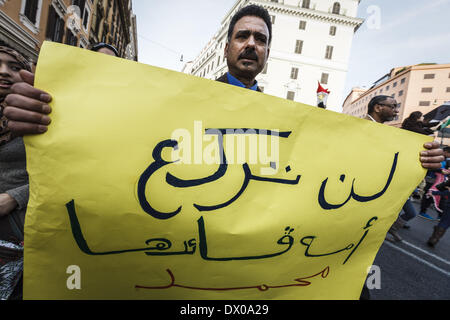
(153,184)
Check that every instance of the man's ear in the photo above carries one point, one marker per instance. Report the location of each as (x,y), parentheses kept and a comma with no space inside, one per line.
(225,50)
(377,108)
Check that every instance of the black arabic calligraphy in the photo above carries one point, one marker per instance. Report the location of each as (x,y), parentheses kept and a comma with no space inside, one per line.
(353,195)
(220,172)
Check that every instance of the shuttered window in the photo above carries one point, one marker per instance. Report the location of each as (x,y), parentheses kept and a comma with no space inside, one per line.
(30,12)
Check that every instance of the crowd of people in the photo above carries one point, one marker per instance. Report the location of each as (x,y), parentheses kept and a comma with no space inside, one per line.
(25,110)
(434,190)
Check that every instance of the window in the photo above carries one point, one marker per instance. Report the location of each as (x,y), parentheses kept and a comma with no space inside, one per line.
(294,73)
(329,52)
(324,78)
(71,39)
(395,84)
(424,103)
(272,18)
(387,88)
(86,16)
(306,4)
(403,81)
(448,89)
(299,46)
(55,26)
(332,31)
(400,93)
(302,25)
(290,95)
(429,76)
(426,90)
(31,8)
(336,8)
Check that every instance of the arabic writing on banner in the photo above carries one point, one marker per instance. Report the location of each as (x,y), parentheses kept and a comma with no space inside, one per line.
(159,185)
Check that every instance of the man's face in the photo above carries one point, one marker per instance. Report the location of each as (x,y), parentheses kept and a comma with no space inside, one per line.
(9,73)
(387,109)
(248,48)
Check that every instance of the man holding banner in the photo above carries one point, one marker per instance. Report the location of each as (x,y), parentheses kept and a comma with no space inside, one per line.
(247,51)
(266,202)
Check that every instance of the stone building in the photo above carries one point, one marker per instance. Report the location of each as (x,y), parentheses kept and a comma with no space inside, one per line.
(26,24)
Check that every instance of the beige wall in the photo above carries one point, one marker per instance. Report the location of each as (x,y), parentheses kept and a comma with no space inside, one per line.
(417,82)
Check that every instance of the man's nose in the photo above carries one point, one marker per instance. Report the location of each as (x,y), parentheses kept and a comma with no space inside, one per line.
(251,41)
(4,69)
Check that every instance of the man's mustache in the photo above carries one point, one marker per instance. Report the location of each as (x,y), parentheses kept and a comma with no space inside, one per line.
(250,55)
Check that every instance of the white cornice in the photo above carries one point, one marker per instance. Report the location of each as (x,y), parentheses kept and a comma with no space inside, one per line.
(309,13)
(17,31)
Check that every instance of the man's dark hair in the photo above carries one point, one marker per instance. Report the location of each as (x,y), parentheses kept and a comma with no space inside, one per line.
(376,100)
(7,45)
(97,46)
(253,11)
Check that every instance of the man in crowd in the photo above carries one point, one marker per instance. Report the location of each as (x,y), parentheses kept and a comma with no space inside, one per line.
(382,109)
(248,46)
(247,51)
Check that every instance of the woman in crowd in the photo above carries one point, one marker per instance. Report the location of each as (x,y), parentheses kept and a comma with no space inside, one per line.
(13,184)
(415,123)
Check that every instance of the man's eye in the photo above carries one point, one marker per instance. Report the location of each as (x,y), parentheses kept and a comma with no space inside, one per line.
(15,69)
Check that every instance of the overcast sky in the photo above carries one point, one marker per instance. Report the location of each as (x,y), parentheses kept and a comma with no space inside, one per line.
(409,32)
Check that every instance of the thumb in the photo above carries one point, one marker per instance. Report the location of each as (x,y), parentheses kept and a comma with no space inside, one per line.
(27,77)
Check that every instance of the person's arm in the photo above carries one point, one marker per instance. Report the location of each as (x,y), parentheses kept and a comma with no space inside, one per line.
(27,108)
(7,204)
(20,195)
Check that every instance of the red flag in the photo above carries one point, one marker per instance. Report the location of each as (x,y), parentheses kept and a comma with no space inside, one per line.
(322,96)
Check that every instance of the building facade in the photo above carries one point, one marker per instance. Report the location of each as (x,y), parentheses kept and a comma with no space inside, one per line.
(26,24)
(420,87)
(311,43)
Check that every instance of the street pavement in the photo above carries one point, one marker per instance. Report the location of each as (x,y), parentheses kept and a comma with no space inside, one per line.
(411,270)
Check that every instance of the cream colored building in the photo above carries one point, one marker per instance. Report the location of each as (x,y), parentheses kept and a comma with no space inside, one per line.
(420,87)
(311,43)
